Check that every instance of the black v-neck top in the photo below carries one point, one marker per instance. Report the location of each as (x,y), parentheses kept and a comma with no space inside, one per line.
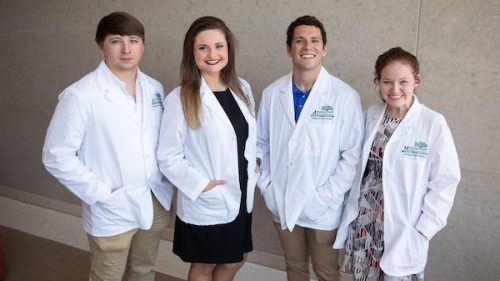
(240,126)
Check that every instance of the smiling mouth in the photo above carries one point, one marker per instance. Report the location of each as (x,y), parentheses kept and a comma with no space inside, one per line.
(212,62)
(395,96)
(307,56)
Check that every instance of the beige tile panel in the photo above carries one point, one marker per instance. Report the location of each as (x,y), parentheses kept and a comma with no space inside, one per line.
(468,247)
(459,52)
(358,31)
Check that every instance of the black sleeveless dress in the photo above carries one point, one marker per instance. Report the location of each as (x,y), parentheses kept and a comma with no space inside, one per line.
(221,243)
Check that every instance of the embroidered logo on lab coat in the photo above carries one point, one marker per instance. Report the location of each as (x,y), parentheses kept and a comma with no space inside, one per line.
(156,101)
(420,149)
(324,113)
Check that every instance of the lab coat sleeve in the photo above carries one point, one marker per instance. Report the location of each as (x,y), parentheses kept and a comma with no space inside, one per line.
(62,142)
(442,185)
(351,132)
(263,143)
(171,158)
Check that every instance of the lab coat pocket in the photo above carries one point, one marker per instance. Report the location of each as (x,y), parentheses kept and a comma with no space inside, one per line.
(118,208)
(413,248)
(209,207)
(269,199)
(317,138)
(264,181)
(316,208)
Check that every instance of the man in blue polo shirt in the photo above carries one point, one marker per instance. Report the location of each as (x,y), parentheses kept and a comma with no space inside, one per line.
(309,139)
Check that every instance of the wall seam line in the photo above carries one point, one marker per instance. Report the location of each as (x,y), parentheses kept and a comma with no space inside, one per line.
(417,39)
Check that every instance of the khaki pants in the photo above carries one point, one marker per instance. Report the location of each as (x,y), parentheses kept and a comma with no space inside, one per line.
(134,251)
(301,243)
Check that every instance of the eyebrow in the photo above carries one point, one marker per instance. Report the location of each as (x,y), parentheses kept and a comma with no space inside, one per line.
(313,37)
(121,36)
(204,44)
(402,78)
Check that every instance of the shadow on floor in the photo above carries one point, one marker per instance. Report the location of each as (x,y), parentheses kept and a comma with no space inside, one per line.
(31,258)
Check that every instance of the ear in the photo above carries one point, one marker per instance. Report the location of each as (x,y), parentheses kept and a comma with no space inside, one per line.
(325,48)
(101,51)
(417,80)
(288,51)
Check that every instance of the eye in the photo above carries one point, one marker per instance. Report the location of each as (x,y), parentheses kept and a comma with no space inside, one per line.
(404,82)
(316,41)
(298,40)
(202,47)
(115,41)
(134,41)
(219,46)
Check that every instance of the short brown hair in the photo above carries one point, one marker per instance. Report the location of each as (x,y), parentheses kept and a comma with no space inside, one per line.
(304,20)
(121,23)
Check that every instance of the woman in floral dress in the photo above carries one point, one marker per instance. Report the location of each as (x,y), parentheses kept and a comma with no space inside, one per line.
(406,184)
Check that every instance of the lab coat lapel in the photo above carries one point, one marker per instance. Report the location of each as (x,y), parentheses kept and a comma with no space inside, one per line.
(208,98)
(286,99)
(409,120)
(313,102)
(371,128)
(245,111)
(404,128)
(114,94)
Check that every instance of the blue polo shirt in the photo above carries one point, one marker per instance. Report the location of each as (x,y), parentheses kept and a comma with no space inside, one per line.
(299,99)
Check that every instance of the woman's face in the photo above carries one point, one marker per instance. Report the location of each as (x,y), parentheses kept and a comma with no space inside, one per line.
(397,84)
(210,52)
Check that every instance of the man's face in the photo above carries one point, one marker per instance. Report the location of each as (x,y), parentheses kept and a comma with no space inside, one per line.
(307,48)
(122,53)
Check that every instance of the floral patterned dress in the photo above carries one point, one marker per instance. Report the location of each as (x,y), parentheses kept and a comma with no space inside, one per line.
(365,241)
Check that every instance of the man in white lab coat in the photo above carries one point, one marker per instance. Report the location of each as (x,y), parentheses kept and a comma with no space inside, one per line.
(101,145)
(309,139)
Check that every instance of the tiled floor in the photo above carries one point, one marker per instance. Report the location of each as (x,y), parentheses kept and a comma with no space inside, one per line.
(31,258)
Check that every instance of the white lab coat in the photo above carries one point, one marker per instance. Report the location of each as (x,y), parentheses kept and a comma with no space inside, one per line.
(191,158)
(96,143)
(308,167)
(420,176)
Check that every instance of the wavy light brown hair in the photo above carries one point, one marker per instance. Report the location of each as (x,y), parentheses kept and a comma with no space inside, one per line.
(191,77)
(399,55)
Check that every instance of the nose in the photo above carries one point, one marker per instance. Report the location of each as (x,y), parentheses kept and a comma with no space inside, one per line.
(396,88)
(211,52)
(307,44)
(126,47)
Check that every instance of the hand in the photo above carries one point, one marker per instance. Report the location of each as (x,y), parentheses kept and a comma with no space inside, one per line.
(213,183)
(257,167)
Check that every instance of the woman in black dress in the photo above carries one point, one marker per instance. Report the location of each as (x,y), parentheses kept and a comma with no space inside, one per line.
(207,150)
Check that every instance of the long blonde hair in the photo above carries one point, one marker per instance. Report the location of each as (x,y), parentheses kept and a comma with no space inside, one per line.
(191,77)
